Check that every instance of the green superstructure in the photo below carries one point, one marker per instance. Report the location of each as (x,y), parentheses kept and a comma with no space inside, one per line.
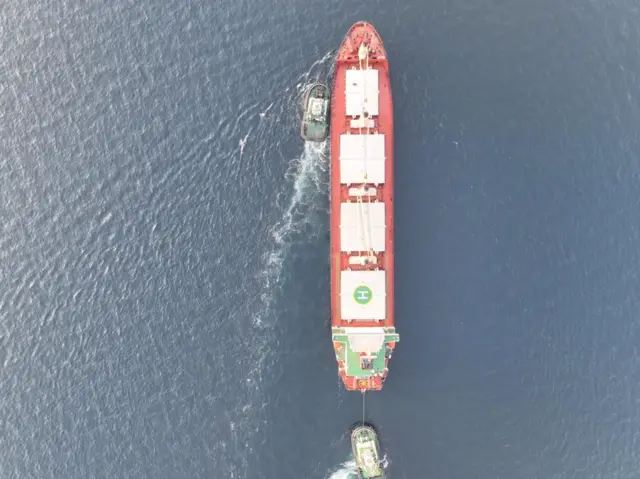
(363,352)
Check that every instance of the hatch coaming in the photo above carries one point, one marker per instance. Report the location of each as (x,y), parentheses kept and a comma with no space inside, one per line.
(361,92)
(362,227)
(363,295)
(362,158)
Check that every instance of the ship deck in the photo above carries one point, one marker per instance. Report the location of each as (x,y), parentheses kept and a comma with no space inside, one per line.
(352,359)
(314,131)
(362,291)
(366,453)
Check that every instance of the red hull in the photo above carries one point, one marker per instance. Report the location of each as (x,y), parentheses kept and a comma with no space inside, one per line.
(340,193)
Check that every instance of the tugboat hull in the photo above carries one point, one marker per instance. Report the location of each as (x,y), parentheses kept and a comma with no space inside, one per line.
(366,452)
(315,118)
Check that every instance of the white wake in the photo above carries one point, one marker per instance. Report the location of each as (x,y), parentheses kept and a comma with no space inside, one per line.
(346,470)
(309,179)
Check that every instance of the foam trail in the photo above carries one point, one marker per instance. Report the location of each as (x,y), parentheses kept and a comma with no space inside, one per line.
(346,470)
(317,64)
(309,185)
(308,173)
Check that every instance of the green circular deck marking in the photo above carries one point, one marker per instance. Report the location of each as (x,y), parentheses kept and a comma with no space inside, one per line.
(363,294)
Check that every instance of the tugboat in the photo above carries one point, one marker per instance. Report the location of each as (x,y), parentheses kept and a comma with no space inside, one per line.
(366,452)
(315,120)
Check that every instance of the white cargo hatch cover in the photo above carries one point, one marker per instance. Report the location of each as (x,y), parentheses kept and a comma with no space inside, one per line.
(365,340)
(362,226)
(361,89)
(362,159)
(363,295)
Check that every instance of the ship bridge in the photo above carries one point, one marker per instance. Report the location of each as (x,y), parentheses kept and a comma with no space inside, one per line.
(363,351)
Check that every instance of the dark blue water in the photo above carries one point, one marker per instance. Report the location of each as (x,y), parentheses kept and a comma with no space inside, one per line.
(164,289)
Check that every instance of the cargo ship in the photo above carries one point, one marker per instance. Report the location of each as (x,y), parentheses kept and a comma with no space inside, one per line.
(362,321)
